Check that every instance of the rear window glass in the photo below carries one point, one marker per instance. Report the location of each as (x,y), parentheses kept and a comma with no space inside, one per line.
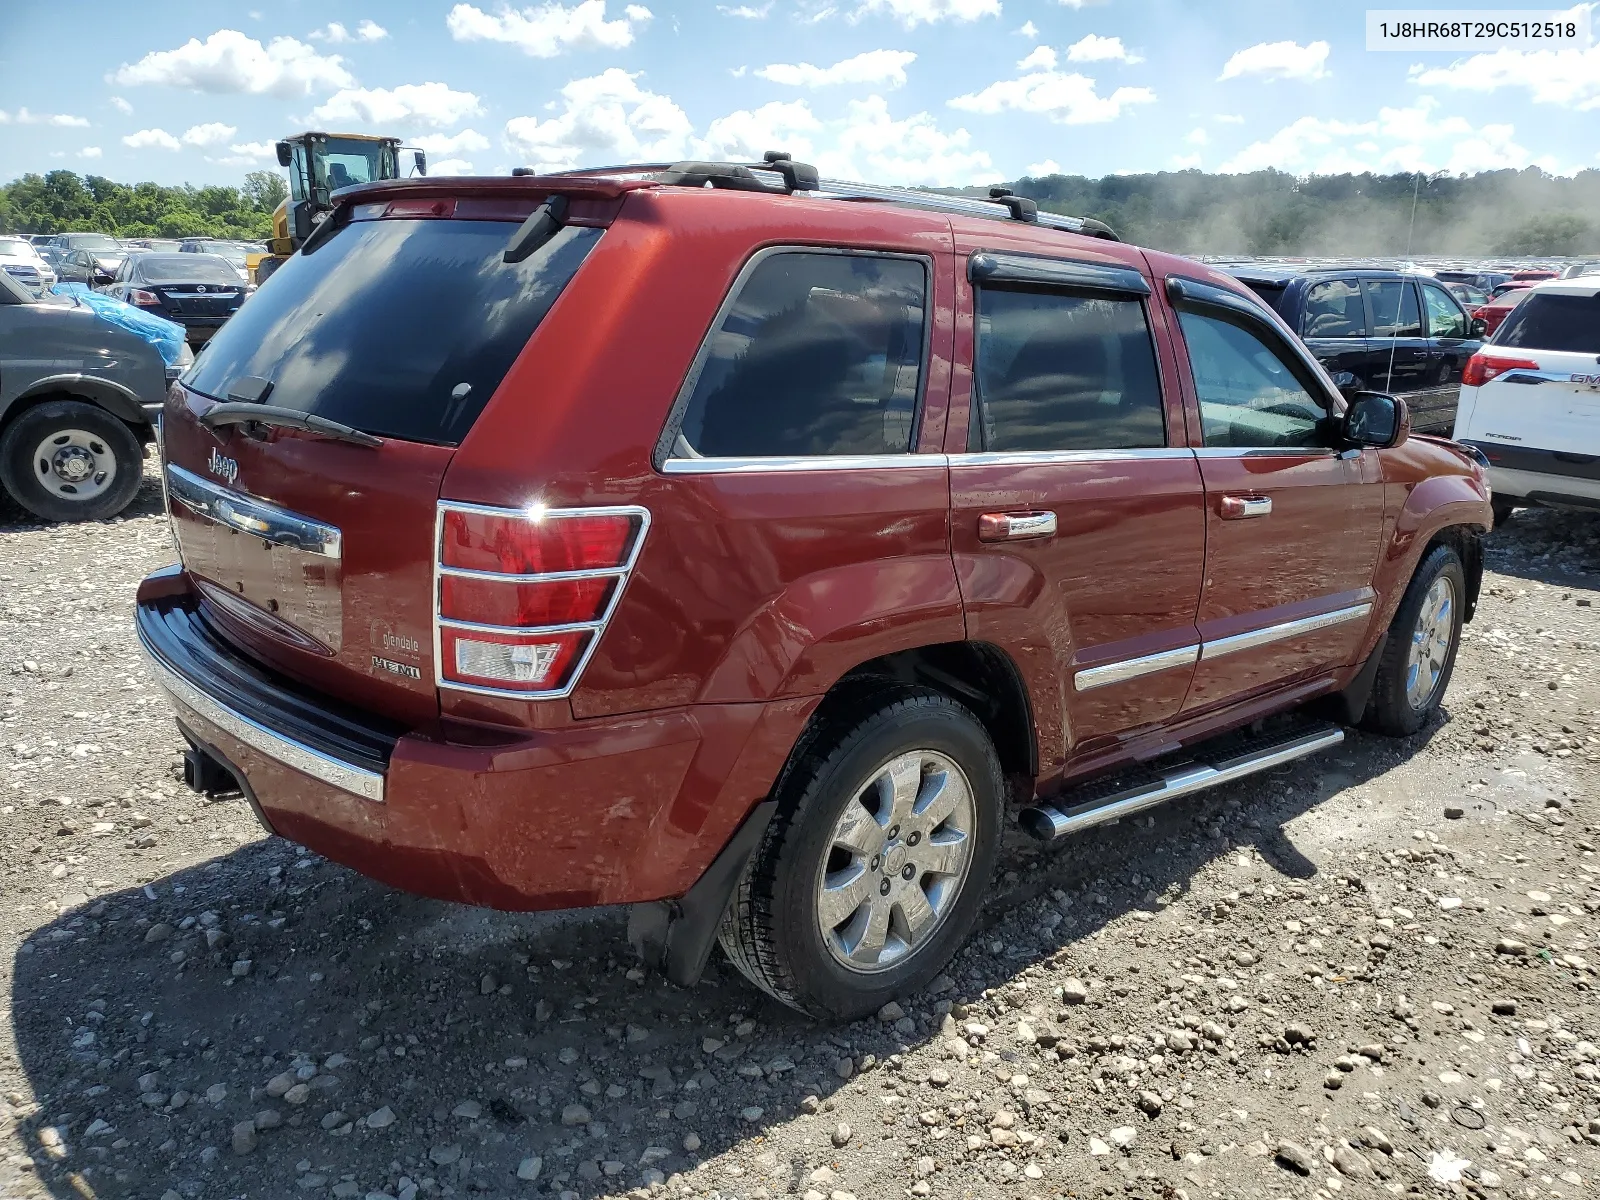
(1272,293)
(402,328)
(1550,321)
(820,354)
(186,268)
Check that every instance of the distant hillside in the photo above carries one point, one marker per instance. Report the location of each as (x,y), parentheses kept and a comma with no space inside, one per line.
(1268,212)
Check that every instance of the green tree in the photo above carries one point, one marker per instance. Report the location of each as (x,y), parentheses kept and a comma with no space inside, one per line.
(265,190)
(1549,233)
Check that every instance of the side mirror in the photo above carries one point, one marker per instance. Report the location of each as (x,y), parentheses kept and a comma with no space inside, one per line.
(300,220)
(1479,327)
(420,160)
(1377,420)
(285,153)
(1347,383)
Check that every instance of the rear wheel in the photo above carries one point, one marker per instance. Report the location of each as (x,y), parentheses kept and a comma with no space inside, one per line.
(1419,653)
(66,460)
(1502,511)
(871,874)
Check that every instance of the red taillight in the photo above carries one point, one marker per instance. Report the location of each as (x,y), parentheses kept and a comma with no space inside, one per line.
(1481,368)
(524,595)
(535,543)
(495,602)
(143,298)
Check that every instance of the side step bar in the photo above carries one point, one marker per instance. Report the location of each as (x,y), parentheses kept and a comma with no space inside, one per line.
(1047,822)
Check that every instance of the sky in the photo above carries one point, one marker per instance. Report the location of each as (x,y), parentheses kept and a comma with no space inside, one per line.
(947,92)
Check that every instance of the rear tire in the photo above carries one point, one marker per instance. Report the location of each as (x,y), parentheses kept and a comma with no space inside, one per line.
(1419,651)
(66,460)
(1502,511)
(872,872)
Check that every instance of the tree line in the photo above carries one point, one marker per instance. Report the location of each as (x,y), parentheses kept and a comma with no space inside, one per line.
(1524,213)
(63,201)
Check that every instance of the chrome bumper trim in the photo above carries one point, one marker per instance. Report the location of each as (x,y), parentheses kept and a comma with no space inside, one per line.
(342,775)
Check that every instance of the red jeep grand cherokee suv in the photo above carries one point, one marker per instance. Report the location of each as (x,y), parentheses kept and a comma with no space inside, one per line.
(740,549)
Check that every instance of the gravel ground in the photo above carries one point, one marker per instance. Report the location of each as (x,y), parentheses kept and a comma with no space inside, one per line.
(1365,973)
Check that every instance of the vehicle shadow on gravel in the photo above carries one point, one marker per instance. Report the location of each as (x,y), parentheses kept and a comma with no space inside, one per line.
(1555,547)
(270,1019)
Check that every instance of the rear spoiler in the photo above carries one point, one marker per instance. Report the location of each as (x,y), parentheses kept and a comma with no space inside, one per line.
(534,188)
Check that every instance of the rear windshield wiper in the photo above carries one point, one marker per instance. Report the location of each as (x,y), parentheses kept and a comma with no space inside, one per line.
(247,413)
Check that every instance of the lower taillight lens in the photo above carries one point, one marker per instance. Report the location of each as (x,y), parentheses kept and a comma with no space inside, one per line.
(1481,368)
(531,663)
(492,602)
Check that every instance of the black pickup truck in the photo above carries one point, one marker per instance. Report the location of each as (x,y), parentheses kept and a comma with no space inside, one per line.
(1388,331)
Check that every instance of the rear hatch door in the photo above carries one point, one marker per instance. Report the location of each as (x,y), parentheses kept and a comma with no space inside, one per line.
(316,555)
(1551,401)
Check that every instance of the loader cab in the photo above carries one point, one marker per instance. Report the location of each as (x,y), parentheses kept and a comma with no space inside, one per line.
(320,164)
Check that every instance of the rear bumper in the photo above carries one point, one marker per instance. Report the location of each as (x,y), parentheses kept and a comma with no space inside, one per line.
(1543,476)
(610,811)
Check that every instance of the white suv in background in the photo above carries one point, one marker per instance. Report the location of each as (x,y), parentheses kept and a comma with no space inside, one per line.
(1530,399)
(21,261)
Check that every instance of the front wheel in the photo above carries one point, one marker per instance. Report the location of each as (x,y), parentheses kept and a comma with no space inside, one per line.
(67,460)
(872,872)
(1419,652)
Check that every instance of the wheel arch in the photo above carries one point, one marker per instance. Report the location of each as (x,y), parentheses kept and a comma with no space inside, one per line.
(116,399)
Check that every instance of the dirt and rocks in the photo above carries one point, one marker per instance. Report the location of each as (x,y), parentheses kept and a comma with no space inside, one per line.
(1366,973)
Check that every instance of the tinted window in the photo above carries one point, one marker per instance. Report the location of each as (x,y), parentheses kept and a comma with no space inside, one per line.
(1272,293)
(1550,321)
(820,354)
(1445,318)
(185,268)
(1394,308)
(401,328)
(1334,310)
(1062,372)
(92,241)
(1249,395)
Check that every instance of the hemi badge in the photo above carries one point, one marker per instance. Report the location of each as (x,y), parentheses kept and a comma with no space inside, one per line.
(395,668)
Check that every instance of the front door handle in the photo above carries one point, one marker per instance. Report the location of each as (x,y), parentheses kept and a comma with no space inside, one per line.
(1013,527)
(1241,508)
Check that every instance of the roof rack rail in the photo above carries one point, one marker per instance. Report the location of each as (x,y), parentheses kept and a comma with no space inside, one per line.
(1002,204)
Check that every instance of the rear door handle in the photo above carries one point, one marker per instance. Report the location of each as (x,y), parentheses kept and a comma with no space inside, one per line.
(1013,527)
(1242,508)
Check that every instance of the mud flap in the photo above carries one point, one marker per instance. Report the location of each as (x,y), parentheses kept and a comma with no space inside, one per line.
(675,936)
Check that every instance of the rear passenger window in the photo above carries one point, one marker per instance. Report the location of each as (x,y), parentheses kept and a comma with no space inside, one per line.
(1334,310)
(1064,372)
(819,355)
(1394,308)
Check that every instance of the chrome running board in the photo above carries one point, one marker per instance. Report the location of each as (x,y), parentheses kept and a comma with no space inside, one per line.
(1048,822)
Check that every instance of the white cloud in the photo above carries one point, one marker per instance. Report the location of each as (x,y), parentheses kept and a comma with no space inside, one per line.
(745,12)
(450,166)
(1568,78)
(912,13)
(1094,48)
(1396,140)
(605,118)
(147,139)
(874,146)
(89,152)
(1069,99)
(1197,137)
(338,35)
(228,61)
(432,104)
(550,29)
(1184,162)
(1028,30)
(1228,119)
(24,117)
(468,141)
(121,105)
(747,135)
(1040,169)
(1040,58)
(247,154)
(887,67)
(213,133)
(1279,60)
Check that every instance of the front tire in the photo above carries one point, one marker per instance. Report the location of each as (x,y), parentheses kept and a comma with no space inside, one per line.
(872,872)
(1419,652)
(65,460)
(1502,511)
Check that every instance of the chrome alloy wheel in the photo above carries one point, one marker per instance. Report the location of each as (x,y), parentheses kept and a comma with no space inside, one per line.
(897,861)
(1430,643)
(74,464)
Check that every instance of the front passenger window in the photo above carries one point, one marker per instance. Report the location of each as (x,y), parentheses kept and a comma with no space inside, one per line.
(1250,397)
(1445,318)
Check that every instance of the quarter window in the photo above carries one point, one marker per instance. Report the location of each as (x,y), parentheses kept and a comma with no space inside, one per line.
(1250,397)
(1064,372)
(1394,308)
(1445,318)
(819,355)
(1334,310)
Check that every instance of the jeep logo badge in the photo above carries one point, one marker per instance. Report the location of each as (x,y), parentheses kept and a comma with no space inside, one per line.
(227,468)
